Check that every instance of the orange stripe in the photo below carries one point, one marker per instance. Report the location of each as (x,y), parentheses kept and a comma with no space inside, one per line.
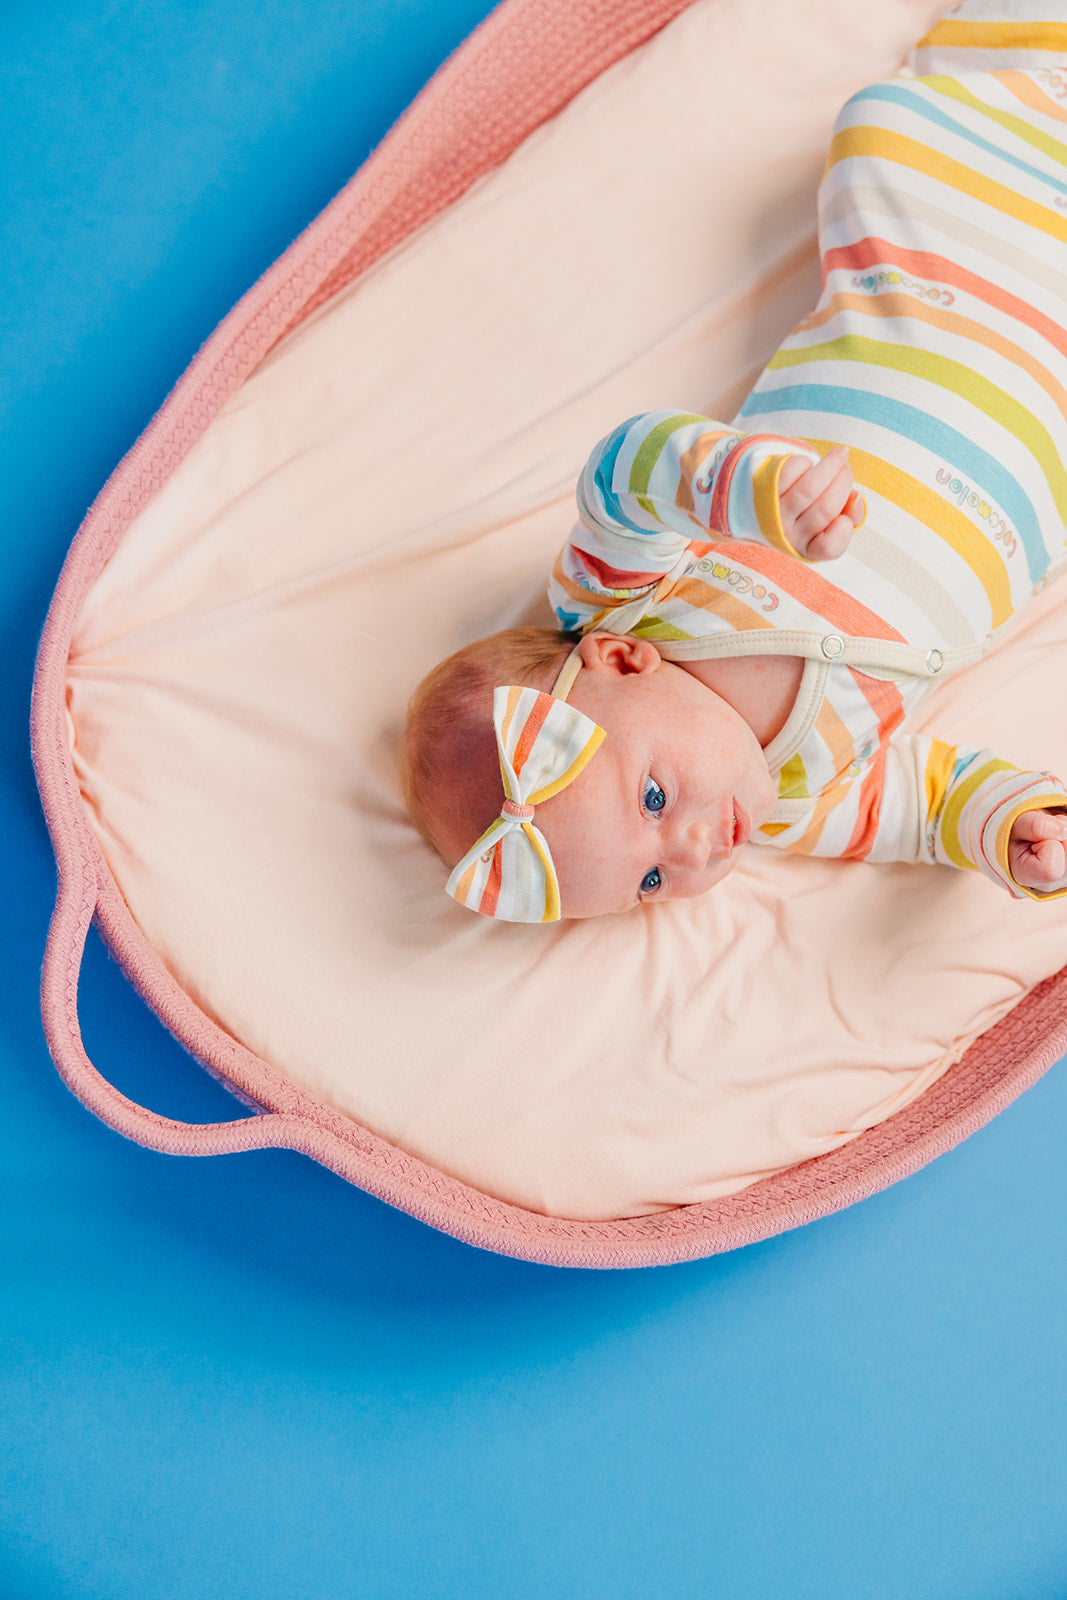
(509,711)
(1026,90)
(884,699)
(690,460)
(463,887)
(870,809)
(531,728)
(694,591)
(835,735)
(887,704)
(491,892)
(831,605)
(875,252)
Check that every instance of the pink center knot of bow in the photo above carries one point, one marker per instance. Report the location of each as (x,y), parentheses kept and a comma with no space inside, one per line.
(521,813)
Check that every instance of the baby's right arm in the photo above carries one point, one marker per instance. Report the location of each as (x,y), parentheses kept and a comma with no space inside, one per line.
(665,487)
(672,473)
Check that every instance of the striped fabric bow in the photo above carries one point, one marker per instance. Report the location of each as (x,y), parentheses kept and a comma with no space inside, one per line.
(543,745)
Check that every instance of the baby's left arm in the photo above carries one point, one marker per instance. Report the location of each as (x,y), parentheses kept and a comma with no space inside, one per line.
(918,799)
(1037,851)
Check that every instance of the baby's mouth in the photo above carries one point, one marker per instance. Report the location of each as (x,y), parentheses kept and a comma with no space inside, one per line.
(742,824)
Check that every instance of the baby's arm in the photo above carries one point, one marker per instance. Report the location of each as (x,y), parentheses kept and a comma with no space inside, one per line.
(683,479)
(925,801)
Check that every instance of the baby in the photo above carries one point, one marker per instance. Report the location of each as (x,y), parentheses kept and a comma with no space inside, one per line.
(758,612)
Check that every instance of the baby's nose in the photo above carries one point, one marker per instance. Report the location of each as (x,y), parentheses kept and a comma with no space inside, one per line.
(693,845)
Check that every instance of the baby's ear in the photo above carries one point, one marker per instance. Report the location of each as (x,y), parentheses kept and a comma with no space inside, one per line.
(618,653)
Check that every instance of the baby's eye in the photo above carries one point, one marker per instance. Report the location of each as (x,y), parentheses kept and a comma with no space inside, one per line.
(651,881)
(653,798)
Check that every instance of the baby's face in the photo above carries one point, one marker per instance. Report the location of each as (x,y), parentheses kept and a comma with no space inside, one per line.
(675,789)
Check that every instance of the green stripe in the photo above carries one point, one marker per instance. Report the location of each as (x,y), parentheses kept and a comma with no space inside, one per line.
(793,781)
(997,404)
(953,89)
(655,628)
(651,449)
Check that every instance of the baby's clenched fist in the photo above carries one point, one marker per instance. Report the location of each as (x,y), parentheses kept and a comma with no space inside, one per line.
(1037,850)
(819,504)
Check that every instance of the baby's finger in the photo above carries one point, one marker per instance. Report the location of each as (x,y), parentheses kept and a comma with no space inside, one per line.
(832,542)
(856,509)
(1050,859)
(1033,825)
(792,468)
(823,510)
(799,490)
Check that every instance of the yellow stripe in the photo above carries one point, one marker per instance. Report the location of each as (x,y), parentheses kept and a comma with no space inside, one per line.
(950,820)
(767,505)
(513,700)
(955,34)
(939,767)
(580,762)
(1001,407)
(881,143)
(943,519)
(551,911)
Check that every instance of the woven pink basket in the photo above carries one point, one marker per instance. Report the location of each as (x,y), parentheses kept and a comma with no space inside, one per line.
(520,67)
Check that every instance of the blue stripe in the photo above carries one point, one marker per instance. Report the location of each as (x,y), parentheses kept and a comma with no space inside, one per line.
(914,102)
(920,428)
(605,473)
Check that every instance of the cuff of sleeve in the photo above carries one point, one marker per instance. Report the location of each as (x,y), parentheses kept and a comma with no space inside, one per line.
(767,505)
(1042,793)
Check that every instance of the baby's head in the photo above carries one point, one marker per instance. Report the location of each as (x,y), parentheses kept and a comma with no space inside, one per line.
(450,769)
(657,812)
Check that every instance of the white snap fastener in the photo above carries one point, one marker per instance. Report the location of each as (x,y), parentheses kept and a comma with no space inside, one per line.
(832,646)
(934,660)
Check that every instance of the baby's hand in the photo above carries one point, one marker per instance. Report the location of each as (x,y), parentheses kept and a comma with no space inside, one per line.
(820,508)
(1037,850)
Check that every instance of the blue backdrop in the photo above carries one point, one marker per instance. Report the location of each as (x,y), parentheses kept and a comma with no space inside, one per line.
(243,1378)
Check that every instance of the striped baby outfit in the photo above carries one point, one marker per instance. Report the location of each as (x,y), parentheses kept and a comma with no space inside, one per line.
(938,355)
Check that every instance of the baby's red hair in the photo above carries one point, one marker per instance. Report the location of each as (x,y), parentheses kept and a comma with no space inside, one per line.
(449,768)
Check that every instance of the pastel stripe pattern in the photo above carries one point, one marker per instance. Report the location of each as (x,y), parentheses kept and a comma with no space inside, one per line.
(937,354)
(543,744)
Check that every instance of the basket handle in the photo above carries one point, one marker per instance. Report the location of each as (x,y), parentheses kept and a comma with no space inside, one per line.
(76,905)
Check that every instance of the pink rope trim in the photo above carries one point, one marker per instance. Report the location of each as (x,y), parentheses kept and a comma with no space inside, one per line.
(520,67)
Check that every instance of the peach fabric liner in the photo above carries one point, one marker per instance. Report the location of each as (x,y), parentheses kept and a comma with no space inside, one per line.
(302,533)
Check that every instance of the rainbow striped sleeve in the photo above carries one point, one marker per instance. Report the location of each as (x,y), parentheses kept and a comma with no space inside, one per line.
(972,805)
(658,491)
(921,800)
